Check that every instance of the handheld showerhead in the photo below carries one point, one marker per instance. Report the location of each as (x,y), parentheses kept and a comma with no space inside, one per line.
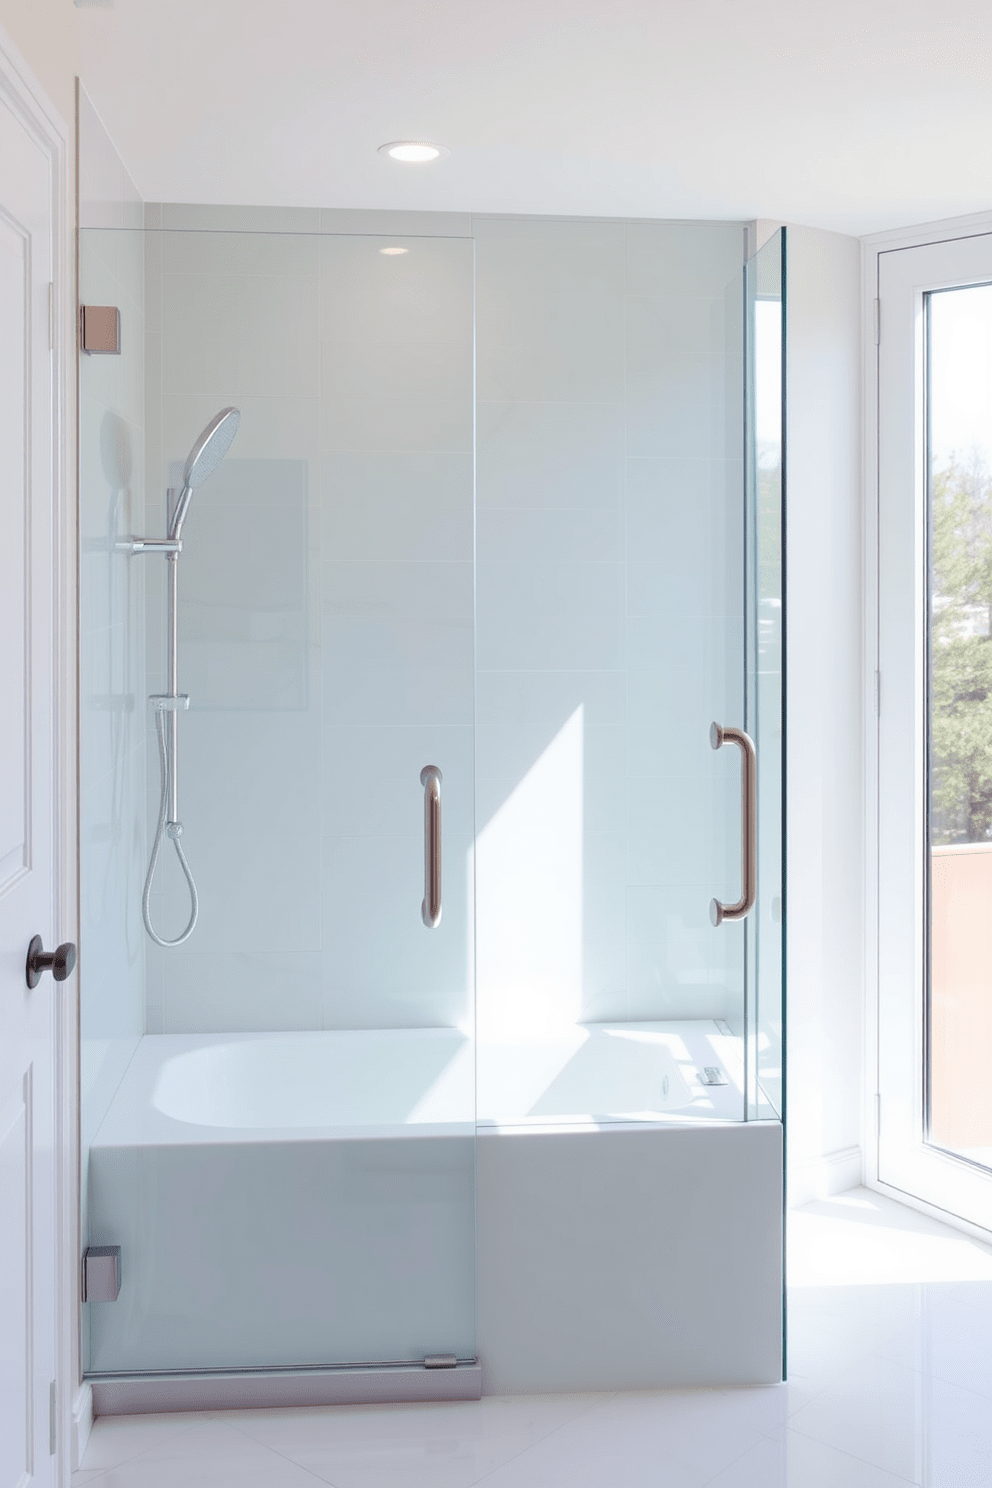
(206,454)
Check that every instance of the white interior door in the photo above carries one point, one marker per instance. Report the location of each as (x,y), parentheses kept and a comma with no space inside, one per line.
(27,1023)
(935,724)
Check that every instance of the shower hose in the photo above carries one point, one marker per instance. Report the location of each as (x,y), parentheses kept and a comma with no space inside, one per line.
(174,830)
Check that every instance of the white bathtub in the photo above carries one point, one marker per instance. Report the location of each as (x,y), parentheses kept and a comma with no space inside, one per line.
(290,1200)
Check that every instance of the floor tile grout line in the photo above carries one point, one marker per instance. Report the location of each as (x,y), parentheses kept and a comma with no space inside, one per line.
(853,1456)
(180,1430)
(545,1436)
(236,1426)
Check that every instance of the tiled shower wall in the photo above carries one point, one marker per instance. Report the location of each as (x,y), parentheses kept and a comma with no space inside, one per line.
(327,609)
(610,520)
(326,602)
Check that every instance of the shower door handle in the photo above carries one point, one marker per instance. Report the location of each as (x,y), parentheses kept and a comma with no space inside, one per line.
(749,825)
(430,910)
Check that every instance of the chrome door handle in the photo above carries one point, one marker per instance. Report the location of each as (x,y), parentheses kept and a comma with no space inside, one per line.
(430,909)
(59,962)
(749,825)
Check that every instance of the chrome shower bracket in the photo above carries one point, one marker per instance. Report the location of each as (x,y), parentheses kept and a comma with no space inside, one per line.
(164,702)
(135,545)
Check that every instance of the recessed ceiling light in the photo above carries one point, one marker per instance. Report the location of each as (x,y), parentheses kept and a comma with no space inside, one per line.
(413,152)
(391,252)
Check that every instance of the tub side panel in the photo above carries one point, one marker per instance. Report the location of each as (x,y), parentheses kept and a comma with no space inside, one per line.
(284,1254)
(630,1259)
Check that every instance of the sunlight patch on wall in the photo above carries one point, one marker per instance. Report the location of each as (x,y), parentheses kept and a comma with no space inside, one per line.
(529,877)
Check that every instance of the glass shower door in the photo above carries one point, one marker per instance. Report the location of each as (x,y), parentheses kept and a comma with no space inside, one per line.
(286,1151)
(764,691)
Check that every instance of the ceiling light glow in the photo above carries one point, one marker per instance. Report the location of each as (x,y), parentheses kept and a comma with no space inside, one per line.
(413,152)
(392,252)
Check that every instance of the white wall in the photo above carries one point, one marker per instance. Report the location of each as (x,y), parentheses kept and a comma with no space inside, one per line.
(112,685)
(46,32)
(825,838)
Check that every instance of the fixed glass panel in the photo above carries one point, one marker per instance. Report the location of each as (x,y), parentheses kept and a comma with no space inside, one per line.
(765,656)
(959,720)
(279,1105)
(610,376)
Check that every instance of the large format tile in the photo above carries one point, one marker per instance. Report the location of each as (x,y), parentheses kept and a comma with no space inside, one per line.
(794,1461)
(117,1439)
(555,455)
(427,1446)
(550,616)
(549,302)
(617,1442)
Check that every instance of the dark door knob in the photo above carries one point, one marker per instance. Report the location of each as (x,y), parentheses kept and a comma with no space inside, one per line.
(59,962)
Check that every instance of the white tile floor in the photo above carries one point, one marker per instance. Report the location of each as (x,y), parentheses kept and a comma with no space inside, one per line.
(890,1322)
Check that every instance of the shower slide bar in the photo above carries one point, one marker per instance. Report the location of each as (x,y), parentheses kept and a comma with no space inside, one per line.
(430,909)
(749,825)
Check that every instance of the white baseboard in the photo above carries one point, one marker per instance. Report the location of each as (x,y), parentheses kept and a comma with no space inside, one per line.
(82,1423)
(818,1177)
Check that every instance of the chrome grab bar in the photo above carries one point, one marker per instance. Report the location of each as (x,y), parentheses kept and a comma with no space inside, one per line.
(749,825)
(430,909)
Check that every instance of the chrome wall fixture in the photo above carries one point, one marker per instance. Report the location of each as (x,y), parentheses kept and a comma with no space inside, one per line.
(430,909)
(749,825)
(206,454)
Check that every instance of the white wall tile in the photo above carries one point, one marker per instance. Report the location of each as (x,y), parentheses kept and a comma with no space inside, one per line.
(371,781)
(381,614)
(395,225)
(185,217)
(542,701)
(549,309)
(270,253)
(549,454)
(240,334)
(550,534)
(383,968)
(669,953)
(399,505)
(550,616)
(684,258)
(423,295)
(678,399)
(236,990)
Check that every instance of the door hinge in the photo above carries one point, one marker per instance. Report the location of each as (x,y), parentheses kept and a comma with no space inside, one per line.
(53,1418)
(878,694)
(878,322)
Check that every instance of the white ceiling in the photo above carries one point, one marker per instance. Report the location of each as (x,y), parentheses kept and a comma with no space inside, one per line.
(850,114)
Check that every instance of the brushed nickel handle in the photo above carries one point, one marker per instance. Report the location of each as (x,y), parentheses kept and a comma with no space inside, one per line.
(749,825)
(430,909)
(59,962)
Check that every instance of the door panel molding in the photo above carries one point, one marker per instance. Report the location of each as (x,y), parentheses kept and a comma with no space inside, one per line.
(24,98)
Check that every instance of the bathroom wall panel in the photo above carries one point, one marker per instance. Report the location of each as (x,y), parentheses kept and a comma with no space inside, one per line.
(561,455)
(249,629)
(373,298)
(234,334)
(549,310)
(256,989)
(400,506)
